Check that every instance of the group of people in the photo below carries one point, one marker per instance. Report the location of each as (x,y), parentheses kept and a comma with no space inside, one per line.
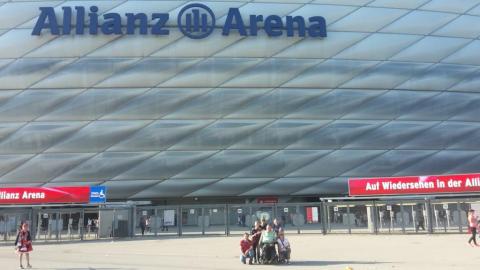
(262,243)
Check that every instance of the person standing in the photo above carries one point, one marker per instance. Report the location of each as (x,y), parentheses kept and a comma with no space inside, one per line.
(284,248)
(420,222)
(256,233)
(143,224)
(23,244)
(472,224)
(276,226)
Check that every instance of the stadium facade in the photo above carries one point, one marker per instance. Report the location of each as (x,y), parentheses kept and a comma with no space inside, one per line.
(391,88)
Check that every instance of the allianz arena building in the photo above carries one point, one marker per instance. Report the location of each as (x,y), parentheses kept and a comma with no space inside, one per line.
(382,88)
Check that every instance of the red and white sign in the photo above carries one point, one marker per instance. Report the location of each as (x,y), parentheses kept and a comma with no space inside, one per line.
(410,185)
(43,195)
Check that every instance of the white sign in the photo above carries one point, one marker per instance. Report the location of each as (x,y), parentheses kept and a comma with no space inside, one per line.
(45,215)
(169,218)
(239,211)
(285,210)
(445,206)
(192,211)
(314,214)
(215,210)
(335,209)
(144,213)
(389,207)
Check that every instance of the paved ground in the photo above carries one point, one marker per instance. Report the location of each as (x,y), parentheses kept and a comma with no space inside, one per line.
(309,252)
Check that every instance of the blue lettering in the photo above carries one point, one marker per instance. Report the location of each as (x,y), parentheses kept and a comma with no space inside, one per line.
(131,23)
(93,29)
(317,27)
(67,18)
(273,26)
(80,26)
(157,28)
(234,15)
(253,24)
(112,24)
(195,20)
(46,13)
(300,21)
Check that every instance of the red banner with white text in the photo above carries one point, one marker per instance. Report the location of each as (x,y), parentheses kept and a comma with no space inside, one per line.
(44,195)
(411,185)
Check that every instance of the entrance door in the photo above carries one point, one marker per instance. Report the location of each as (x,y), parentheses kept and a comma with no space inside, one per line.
(70,229)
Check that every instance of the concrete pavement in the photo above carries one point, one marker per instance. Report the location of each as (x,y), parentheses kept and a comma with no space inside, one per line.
(309,252)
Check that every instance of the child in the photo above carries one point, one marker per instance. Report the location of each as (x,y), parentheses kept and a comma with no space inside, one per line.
(283,247)
(23,244)
(247,249)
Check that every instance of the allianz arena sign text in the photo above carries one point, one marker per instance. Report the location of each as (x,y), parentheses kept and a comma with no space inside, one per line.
(195,20)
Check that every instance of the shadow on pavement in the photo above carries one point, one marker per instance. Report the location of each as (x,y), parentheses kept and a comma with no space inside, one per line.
(91,268)
(325,263)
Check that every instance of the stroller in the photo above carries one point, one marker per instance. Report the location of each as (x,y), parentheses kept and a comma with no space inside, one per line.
(268,254)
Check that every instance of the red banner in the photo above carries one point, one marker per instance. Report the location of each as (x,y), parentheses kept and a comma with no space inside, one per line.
(43,195)
(267,200)
(410,185)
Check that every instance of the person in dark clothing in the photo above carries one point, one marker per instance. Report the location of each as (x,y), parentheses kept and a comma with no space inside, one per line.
(256,233)
(143,225)
(23,244)
(420,222)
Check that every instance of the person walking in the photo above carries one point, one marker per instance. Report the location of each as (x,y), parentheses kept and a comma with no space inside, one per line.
(472,226)
(23,244)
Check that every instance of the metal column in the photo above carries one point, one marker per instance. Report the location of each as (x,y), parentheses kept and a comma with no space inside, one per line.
(428,205)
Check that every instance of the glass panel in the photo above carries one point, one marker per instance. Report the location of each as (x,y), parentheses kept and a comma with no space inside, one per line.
(461,216)
(360,219)
(261,212)
(69,229)
(443,217)
(215,220)
(144,220)
(48,226)
(415,216)
(288,218)
(91,224)
(10,223)
(191,220)
(389,218)
(240,219)
(308,219)
(338,220)
(165,221)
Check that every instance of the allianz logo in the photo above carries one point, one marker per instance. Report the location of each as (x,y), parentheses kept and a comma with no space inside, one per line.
(195,21)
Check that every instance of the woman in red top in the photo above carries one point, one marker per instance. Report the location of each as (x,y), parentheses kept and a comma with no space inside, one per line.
(472,224)
(23,244)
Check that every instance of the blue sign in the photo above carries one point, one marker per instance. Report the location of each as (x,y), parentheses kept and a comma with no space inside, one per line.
(195,21)
(98,194)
